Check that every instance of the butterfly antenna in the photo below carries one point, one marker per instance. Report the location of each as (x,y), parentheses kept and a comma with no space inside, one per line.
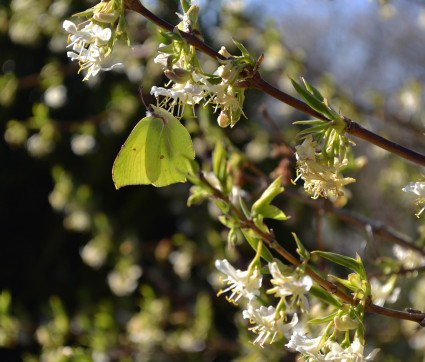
(141,96)
(148,108)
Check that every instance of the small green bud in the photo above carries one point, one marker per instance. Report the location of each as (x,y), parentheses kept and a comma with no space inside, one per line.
(107,18)
(178,75)
(223,119)
(345,323)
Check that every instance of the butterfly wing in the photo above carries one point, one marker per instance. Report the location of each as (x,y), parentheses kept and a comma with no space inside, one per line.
(130,164)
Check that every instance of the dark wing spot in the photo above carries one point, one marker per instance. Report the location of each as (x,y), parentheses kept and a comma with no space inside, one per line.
(134,149)
(161,157)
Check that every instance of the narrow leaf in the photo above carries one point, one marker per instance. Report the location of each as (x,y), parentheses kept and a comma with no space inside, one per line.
(311,100)
(343,260)
(326,319)
(253,241)
(324,296)
(313,90)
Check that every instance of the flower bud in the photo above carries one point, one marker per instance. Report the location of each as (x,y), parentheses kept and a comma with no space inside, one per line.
(223,51)
(107,18)
(345,323)
(223,120)
(227,72)
(178,75)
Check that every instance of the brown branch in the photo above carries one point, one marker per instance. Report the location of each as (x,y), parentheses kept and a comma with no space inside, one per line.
(331,288)
(358,131)
(257,82)
(136,6)
(378,228)
(352,217)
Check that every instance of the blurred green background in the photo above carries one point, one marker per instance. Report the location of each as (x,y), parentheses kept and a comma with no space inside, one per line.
(91,273)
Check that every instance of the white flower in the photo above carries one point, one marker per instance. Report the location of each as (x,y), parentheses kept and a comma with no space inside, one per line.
(291,285)
(319,178)
(90,47)
(180,94)
(268,322)
(417,188)
(352,353)
(382,293)
(241,283)
(308,347)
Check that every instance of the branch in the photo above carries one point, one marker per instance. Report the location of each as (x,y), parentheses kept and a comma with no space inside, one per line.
(272,242)
(257,82)
(378,228)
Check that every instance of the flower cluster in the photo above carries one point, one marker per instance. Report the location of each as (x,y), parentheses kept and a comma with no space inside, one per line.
(318,349)
(91,47)
(293,286)
(320,179)
(192,86)
(269,322)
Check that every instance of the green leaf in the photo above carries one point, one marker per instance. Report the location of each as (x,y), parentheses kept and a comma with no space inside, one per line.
(244,52)
(253,241)
(313,90)
(311,100)
(244,208)
(271,212)
(219,162)
(268,195)
(227,221)
(301,250)
(347,283)
(314,129)
(326,319)
(157,152)
(185,5)
(310,121)
(324,296)
(346,261)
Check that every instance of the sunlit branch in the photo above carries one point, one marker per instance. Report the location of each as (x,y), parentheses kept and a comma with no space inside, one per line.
(257,82)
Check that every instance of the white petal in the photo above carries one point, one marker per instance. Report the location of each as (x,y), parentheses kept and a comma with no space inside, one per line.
(69,26)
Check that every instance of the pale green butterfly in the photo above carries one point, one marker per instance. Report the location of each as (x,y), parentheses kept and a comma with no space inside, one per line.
(156,152)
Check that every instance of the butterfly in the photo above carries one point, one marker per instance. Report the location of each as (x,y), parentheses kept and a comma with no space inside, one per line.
(156,152)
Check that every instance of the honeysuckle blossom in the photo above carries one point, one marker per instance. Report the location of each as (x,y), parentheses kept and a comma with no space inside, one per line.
(417,188)
(290,285)
(90,47)
(319,178)
(241,283)
(308,347)
(197,89)
(268,323)
(354,352)
(179,94)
